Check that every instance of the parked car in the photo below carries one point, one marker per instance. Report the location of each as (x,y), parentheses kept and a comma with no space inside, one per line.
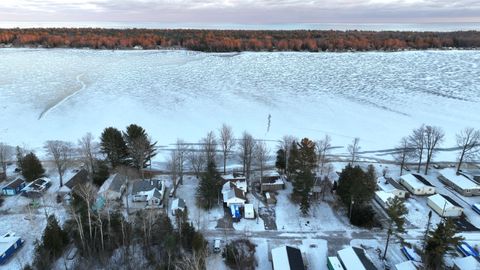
(217,245)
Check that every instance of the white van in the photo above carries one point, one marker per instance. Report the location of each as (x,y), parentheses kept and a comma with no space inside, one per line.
(216,245)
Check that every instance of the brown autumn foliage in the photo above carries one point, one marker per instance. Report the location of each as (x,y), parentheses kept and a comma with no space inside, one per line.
(237,40)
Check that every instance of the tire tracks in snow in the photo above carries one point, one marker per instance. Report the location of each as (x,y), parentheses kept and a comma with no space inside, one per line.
(65,99)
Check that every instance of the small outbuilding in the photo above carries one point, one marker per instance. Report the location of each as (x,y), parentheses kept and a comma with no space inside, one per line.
(9,244)
(287,258)
(460,182)
(249,211)
(417,184)
(444,206)
(14,187)
(178,204)
(272,181)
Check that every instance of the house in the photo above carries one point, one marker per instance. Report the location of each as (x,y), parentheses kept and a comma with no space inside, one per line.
(417,184)
(9,244)
(236,178)
(37,187)
(272,181)
(233,195)
(287,258)
(461,182)
(178,204)
(382,198)
(249,212)
(466,263)
(114,187)
(391,186)
(333,263)
(411,254)
(149,191)
(14,187)
(78,179)
(444,206)
(409,265)
(467,250)
(355,258)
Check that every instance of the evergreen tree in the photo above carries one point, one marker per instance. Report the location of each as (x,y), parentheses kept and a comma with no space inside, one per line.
(113,146)
(440,242)
(355,184)
(293,156)
(20,154)
(139,148)
(31,167)
(54,241)
(209,187)
(396,211)
(100,173)
(280,162)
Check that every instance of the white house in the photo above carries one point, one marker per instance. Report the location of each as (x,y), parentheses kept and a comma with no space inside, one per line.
(249,212)
(382,197)
(113,187)
(391,186)
(461,182)
(466,263)
(287,258)
(417,184)
(354,258)
(178,204)
(149,191)
(444,206)
(236,178)
(233,195)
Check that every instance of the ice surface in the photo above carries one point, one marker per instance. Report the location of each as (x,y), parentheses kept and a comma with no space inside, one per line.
(376,96)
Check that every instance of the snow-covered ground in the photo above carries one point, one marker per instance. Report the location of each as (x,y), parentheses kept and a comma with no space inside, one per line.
(378,97)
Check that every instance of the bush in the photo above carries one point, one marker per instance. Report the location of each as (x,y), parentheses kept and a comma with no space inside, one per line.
(240,254)
(364,216)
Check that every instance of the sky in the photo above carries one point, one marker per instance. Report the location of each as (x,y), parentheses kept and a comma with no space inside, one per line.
(243,11)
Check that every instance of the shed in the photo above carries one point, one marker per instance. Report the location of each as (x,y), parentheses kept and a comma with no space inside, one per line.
(444,206)
(178,204)
(417,184)
(333,263)
(391,186)
(249,212)
(14,187)
(114,187)
(287,258)
(9,244)
(466,263)
(382,197)
(355,258)
(272,181)
(461,182)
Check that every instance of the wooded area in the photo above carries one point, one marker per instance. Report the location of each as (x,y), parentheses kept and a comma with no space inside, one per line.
(236,40)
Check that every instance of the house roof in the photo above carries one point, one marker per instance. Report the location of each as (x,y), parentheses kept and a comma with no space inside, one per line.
(146,185)
(113,183)
(384,196)
(415,181)
(408,265)
(461,180)
(81,177)
(443,201)
(6,242)
(467,263)
(355,258)
(388,184)
(287,256)
(178,203)
(15,183)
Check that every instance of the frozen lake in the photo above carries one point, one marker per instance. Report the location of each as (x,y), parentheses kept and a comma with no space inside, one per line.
(379,97)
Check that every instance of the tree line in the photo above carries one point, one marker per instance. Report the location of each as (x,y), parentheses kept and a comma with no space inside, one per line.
(237,40)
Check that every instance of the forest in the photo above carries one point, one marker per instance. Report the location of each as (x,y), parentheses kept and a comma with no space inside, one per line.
(237,40)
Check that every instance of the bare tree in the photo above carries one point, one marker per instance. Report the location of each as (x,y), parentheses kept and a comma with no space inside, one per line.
(6,153)
(261,157)
(88,149)
(227,142)
(182,149)
(468,140)
(193,261)
(433,137)
(323,148)
(197,161)
(353,149)
(209,143)
(417,141)
(61,152)
(403,153)
(246,145)
(88,193)
(285,145)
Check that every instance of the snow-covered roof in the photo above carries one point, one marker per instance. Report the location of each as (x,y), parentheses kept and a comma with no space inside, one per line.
(6,242)
(178,204)
(466,263)
(460,180)
(113,183)
(232,177)
(384,196)
(443,201)
(350,259)
(388,184)
(413,181)
(335,263)
(287,258)
(408,265)
(248,208)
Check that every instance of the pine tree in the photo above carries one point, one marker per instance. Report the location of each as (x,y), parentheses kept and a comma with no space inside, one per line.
(440,242)
(54,241)
(209,187)
(293,156)
(280,162)
(113,146)
(31,167)
(139,147)
(396,211)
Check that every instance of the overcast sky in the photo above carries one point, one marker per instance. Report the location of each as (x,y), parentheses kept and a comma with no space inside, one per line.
(242,11)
